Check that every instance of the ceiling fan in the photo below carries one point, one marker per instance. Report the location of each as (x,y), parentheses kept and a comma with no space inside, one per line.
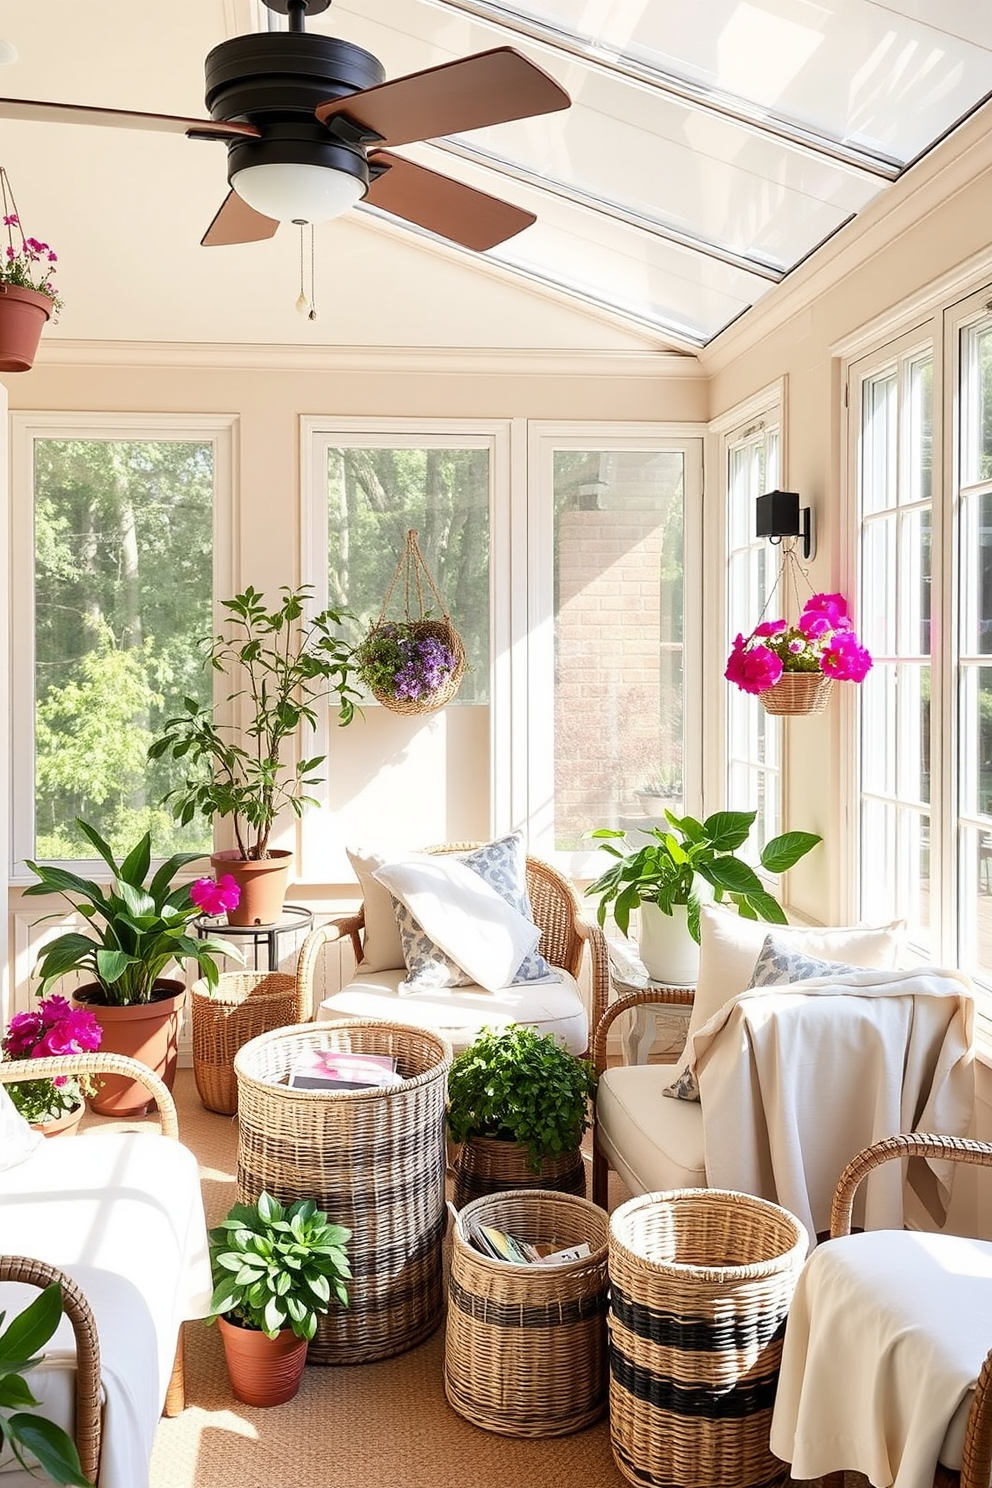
(308,121)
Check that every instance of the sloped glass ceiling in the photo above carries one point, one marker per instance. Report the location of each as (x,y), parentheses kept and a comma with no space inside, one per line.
(709,148)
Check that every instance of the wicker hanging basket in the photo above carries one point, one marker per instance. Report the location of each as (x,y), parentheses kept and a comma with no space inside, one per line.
(420,623)
(797,692)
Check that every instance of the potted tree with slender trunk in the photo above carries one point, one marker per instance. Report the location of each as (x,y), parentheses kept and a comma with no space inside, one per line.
(280,664)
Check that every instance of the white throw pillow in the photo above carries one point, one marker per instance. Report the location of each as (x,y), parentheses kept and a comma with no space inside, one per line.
(17,1138)
(463,914)
(729,946)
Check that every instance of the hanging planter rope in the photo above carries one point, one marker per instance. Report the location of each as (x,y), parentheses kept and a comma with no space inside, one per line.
(412,665)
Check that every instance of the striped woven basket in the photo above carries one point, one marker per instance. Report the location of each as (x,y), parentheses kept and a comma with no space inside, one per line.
(525,1346)
(485,1165)
(797,692)
(700,1284)
(243,1005)
(372,1159)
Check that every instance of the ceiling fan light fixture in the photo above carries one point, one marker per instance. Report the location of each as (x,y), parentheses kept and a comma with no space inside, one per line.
(291,192)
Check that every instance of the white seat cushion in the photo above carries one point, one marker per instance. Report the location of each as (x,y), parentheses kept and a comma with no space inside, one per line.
(651,1142)
(458,1013)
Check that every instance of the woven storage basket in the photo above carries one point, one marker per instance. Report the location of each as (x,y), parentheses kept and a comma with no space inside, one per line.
(373,1159)
(525,1346)
(485,1165)
(797,692)
(444,631)
(701,1281)
(243,1005)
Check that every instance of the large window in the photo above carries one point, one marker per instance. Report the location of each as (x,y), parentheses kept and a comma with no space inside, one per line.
(114,552)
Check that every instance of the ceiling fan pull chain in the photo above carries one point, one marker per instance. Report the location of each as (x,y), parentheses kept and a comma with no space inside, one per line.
(301,301)
(313,289)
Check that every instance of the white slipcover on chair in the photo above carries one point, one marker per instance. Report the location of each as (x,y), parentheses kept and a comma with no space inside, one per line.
(121,1213)
(791,1080)
(886,1337)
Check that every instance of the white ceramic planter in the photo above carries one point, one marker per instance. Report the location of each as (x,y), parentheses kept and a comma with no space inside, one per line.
(668,951)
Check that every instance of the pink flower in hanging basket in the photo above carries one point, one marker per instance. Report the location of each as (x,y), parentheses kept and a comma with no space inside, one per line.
(822,640)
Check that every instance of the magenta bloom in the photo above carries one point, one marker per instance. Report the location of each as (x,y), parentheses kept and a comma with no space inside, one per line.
(54,1028)
(23,1032)
(769,628)
(754,669)
(215,897)
(845,659)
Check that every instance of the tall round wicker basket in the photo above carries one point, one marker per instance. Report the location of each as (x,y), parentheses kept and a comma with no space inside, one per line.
(797,692)
(243,1005)
(372,1159)
(700,1284)
(525,1346)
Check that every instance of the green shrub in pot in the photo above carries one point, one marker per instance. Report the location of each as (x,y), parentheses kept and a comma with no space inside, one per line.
(520,1086)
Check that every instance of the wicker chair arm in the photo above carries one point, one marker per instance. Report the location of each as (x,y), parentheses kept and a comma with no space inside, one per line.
(341,927)
(677,996)
(78,1311)
(99,1063)
(903,1144)
(599,970)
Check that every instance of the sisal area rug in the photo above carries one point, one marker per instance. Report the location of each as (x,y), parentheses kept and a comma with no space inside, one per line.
(384,1425)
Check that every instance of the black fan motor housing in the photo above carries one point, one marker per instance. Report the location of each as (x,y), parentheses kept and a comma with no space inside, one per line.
(275,81)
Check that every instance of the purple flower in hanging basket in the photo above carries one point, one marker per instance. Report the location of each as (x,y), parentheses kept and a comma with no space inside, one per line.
(396,660)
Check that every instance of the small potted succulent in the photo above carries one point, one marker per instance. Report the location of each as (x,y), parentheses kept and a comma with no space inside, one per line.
(275,1268)
(135,929)
(518,1105)
(54,1027)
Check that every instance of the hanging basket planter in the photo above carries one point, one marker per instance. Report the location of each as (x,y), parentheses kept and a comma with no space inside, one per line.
(23,314)
(28,298)
(797,692)
(415,664)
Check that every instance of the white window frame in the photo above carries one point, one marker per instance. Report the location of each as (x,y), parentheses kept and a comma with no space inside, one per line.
(545,438)
(220,430)
(321,860)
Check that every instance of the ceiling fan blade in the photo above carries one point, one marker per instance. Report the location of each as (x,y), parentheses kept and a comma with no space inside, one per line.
(80,113)
(442,205)
(237,222)
(487,88)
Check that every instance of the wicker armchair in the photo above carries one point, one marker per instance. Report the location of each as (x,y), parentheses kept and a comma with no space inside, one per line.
(900,1246)
(46,1209)
(565,934)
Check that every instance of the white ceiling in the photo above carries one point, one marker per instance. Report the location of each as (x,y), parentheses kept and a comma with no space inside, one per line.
(708,149)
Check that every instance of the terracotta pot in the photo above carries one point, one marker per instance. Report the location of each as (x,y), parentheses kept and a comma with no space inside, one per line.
(262,884)
(147,1031)
(486,1165)
(262,1370)
(61,1126)
(23,313)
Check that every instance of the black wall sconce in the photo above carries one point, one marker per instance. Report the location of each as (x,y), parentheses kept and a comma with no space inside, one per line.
(778,514)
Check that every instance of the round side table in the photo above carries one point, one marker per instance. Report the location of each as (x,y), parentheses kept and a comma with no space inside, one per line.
(669,1020)
(295,920)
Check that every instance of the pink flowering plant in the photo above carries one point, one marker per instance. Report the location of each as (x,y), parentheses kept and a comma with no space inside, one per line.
(822,640)
(52,1029)
(26,262)
(215,896)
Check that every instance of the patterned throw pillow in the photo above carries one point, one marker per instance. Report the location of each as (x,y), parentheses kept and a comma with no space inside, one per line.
(778,965)
(502,865)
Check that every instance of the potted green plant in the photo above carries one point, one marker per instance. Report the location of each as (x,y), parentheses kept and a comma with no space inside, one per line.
(675,869)
(28,297)
(33,1438)
(279,664)
(518,1104)
(275,1270)
(134,932)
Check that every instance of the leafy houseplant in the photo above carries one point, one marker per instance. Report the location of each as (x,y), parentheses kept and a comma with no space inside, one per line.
(517,1086)
(275,1270)
(281,664)
(134,929)
(53,1028)
(666,870)
(20,1428)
